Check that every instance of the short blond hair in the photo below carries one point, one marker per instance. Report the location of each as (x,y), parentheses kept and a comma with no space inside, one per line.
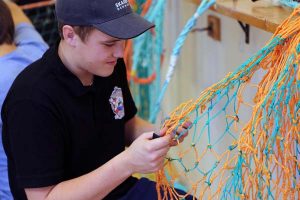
(82,31)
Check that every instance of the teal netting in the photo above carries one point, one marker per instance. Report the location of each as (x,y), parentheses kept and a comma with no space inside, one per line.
(254,112)
(147,59)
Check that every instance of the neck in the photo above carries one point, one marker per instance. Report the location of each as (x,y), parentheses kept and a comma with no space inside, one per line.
(6,49)
(68,59)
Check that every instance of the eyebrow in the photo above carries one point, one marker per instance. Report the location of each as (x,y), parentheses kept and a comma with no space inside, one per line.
(111,41)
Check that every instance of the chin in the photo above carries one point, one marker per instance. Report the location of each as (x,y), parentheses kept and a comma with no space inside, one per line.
(104,70)
(105,74)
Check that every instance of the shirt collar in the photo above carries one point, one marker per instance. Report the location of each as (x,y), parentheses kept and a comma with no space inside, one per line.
(66,77)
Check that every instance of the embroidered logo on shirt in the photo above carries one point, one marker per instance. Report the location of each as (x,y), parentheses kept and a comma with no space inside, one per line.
(116,102)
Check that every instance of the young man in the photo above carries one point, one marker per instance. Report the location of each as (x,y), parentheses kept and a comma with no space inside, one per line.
(68,116)
(20,45)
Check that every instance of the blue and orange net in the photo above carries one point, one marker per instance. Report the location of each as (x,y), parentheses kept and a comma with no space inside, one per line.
(244,139)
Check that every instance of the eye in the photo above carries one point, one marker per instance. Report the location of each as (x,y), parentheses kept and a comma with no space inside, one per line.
(109,44)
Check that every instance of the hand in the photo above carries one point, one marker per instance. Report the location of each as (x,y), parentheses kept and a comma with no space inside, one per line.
(182,129)
(146,155)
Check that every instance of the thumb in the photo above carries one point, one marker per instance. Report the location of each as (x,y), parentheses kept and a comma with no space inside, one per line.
(147,135)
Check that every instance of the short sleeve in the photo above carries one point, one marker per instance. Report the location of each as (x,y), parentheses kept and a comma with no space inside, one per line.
(26,36)
(35,140)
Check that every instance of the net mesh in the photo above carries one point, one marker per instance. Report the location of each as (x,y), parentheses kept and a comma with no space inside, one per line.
(43,18)
(254,113)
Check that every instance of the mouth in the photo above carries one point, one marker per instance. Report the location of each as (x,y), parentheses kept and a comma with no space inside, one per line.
(112,62)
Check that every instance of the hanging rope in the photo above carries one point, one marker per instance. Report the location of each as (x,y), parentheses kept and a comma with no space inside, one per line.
(176,52)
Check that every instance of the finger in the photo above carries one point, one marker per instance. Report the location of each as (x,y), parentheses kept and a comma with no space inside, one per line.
(163,131)
(181,132)
(175,142)
(160,142)
(187,124)
(147,135)
(176,139)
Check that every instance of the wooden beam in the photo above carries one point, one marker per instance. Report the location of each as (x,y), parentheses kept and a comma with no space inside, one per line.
(261,16)
(37,4)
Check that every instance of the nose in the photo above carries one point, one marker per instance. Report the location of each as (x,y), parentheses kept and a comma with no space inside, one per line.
(119,49)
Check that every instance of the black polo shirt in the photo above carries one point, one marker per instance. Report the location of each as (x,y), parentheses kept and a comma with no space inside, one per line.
(56,129)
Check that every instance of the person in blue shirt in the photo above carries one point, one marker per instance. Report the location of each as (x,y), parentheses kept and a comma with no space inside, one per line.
(20,45)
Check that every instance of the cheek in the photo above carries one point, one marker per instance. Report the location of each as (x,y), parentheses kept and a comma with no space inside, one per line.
(92,55)
(94,60)
(98,54)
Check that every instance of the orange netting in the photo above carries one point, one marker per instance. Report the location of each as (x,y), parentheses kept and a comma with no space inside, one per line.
(253,112)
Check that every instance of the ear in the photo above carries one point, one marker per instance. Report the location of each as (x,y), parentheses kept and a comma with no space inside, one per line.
(69,35)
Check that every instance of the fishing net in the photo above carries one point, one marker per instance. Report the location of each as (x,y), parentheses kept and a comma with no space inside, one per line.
(144,56)
(244,139)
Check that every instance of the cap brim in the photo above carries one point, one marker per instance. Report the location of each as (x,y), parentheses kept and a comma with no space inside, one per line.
(125,27)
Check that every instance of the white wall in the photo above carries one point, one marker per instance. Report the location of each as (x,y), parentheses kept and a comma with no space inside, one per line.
(204,61)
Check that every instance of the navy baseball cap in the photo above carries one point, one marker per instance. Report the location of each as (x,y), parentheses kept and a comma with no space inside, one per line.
(112,17)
